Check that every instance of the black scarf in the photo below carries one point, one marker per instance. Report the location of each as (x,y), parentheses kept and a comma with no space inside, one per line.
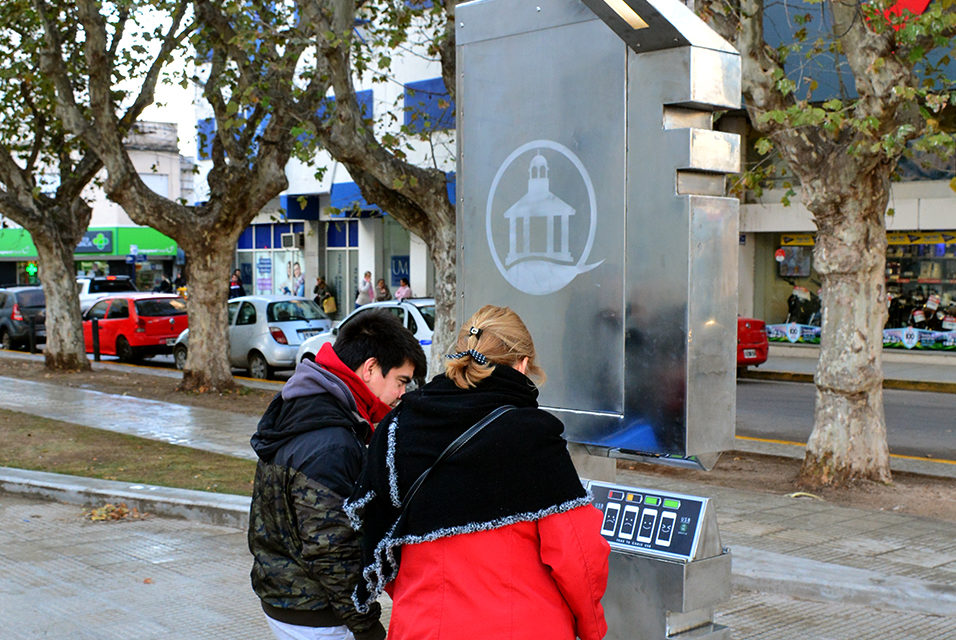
(516,469)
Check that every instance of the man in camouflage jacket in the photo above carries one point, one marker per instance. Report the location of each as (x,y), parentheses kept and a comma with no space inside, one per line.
(311,447)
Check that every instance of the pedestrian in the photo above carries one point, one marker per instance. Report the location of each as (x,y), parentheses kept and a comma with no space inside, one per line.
(500,540)
(164,286)
(323,296)
(381,291)
(311,447)
(404,291)
(235,285)
(366,291)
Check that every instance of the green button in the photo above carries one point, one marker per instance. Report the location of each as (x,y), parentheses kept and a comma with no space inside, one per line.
(671,504)
(652,500)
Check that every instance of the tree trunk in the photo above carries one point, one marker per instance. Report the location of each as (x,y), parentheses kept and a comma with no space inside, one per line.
(207,272)
(64,350)
(849,435)
(441,244)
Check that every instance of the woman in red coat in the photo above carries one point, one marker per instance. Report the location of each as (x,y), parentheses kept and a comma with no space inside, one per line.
(500,540)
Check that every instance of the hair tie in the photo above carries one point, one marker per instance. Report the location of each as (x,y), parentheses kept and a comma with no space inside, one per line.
(477,356)
(475,332)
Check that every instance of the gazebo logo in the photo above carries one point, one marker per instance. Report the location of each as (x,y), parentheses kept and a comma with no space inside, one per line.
(539,259)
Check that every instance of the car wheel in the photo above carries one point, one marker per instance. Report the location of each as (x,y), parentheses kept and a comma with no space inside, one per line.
(179,356)
(258,367)
(5,341)
(124,351)
(307,356)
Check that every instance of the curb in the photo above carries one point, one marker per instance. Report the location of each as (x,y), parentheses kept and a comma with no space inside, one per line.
(797,451)
(770,572)
(222,509)
(753,569)
(906,385)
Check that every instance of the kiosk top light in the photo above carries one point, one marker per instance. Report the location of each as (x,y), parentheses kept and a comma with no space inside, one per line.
(651,25)
(627,14)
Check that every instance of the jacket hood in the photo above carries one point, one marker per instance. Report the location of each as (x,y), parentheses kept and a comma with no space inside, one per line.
(310,379)
(331,404)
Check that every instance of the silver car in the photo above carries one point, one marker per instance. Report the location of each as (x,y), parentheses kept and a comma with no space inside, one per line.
(265,332)
(417,314)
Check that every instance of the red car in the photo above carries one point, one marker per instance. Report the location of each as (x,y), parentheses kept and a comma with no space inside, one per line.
(751,342)
(136,325)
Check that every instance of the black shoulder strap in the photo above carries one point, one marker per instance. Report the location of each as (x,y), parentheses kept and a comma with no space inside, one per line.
(451,449)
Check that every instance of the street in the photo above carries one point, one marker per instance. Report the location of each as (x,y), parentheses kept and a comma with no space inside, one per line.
(918,423)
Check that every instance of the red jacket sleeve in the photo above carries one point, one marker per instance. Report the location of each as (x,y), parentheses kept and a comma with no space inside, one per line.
(572,546)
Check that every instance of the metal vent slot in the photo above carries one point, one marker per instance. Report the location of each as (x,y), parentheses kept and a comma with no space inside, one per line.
(700,183)
(682,118)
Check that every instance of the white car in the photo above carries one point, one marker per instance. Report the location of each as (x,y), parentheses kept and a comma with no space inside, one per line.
(265,332)
(92,288)
(417,314)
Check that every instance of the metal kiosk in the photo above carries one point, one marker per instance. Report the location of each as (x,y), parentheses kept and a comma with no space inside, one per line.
(590,192)
(668,567)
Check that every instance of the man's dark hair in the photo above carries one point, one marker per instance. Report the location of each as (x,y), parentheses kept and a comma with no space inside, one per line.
(379,334)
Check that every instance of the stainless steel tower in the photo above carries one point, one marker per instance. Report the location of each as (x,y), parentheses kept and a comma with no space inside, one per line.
(590,186)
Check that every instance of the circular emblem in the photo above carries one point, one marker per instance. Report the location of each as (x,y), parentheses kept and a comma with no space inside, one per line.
(544,251)
(794,332)
(910,337)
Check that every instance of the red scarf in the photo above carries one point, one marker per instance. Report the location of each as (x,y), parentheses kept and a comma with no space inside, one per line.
(369,406)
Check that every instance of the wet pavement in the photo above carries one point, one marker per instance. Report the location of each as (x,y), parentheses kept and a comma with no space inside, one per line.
(802,568)
(197,427)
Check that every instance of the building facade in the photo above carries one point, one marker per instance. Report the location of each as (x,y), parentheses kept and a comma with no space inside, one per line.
(114,244)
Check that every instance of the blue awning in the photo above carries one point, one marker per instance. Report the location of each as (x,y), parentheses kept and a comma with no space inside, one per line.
(300,207)
(346,196)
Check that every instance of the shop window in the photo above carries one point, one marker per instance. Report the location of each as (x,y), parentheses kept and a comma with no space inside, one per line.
(263,235)
(341,234)
(277,231)
(245,239)
(794,262)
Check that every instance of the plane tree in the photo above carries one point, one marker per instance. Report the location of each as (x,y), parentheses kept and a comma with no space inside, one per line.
(44,171)
(258,69)
(385,157)
(842,151)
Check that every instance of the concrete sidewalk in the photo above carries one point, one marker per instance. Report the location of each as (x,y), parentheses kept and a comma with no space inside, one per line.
(802,568)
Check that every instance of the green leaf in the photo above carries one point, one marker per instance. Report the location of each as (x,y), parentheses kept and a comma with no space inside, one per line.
(763,146)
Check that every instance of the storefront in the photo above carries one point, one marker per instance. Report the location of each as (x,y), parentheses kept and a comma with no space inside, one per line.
(139,252)
(920,285)
(271,261)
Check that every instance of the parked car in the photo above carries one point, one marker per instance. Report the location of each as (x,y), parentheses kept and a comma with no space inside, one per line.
(265,332)
(135,325)
(417,314)
(18,307)
(92,288)
(752,343)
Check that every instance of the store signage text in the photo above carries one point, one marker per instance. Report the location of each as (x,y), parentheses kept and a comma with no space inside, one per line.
(96,242)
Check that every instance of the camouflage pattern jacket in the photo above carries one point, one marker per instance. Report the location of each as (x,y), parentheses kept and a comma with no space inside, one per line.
(307,559)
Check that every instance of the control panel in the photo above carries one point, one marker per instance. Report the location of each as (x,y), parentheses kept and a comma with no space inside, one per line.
(649,521)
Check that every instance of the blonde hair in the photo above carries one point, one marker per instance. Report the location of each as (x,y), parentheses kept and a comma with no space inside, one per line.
(502,338)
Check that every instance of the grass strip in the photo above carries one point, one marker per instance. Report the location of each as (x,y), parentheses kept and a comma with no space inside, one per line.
(39,444)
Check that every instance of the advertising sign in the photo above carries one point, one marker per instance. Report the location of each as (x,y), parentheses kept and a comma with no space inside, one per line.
(96,242)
